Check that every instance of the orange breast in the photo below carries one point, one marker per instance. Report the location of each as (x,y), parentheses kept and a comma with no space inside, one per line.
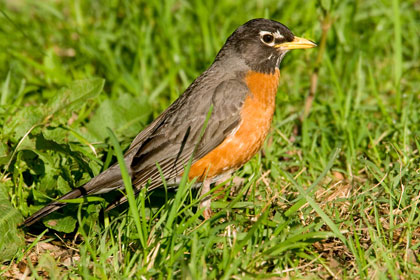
(256,116)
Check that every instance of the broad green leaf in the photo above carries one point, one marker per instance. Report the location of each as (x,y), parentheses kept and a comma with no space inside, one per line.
(23,120)
(60,222)
(11,239)
(4,153)
(76,93)
(126,114)
(57,134)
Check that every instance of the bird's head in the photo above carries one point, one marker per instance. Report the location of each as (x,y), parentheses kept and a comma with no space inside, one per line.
(262,43)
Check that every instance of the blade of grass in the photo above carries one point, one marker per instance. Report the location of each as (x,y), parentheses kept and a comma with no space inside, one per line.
(315,205)
(6,90)
(128,187)
(397,52)
(182,185)
(301,200)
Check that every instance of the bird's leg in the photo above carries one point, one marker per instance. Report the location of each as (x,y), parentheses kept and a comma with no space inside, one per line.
(205,203)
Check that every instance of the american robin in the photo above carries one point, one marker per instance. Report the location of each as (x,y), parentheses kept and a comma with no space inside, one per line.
(240,87)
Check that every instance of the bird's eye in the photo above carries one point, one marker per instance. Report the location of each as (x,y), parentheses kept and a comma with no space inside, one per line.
(268,38)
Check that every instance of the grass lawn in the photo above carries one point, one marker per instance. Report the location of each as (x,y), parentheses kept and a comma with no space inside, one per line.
(334,193)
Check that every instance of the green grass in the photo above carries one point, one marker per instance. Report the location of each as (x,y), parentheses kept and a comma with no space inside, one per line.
(334,193)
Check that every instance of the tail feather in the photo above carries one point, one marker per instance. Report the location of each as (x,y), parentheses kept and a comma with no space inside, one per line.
(107,181)
(53,206)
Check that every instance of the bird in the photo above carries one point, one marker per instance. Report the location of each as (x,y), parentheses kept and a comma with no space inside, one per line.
(220,122)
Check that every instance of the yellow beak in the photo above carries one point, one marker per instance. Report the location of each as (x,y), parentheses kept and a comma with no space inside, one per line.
(297,43)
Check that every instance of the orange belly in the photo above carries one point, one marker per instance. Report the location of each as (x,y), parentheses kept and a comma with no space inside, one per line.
(256,116)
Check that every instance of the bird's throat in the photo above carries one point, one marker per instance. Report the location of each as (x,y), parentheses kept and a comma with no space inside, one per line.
(263,87)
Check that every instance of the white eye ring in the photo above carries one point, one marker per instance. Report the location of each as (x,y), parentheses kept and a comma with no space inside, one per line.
(267,38)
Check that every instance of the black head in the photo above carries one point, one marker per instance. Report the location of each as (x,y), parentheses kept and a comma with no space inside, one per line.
(262,43)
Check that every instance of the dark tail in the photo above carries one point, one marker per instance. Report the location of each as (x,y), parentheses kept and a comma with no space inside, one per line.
(107,181)
(53,206)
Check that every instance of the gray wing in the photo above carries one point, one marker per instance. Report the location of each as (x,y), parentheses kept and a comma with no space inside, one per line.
(177,139)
